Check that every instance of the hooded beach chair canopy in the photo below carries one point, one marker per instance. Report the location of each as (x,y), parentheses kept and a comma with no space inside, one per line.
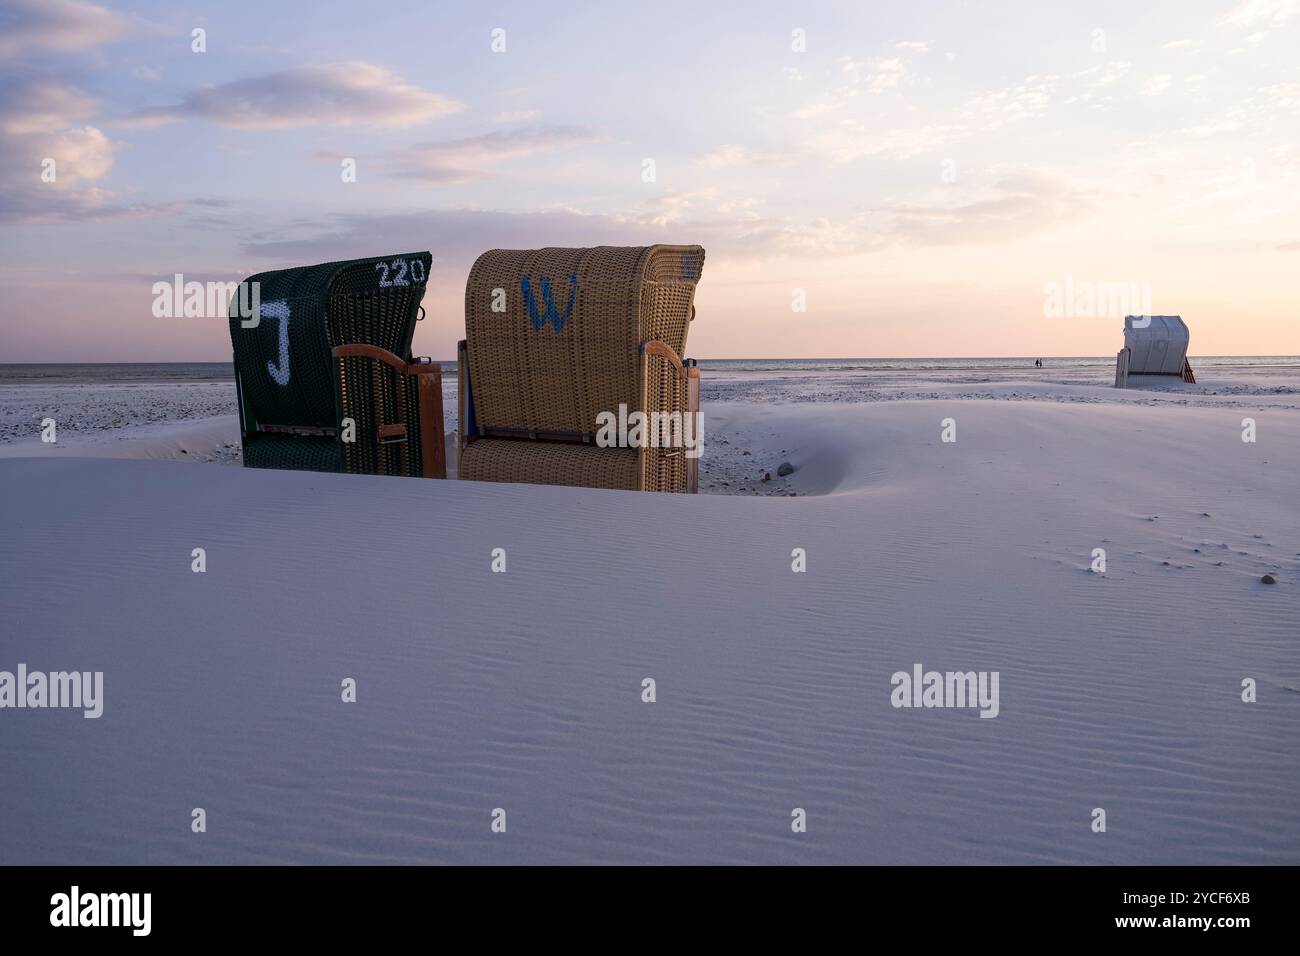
(1157,344)
(554,338)
(1153,345)
(330,344)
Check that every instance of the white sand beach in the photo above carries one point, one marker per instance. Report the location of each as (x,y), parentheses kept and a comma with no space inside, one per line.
(523,690)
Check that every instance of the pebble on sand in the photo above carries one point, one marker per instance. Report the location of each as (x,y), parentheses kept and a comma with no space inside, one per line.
(1269,579)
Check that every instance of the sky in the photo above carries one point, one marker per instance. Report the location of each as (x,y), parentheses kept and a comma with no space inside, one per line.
(868,179)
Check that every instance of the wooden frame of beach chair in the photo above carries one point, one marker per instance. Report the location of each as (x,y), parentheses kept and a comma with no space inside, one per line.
(555,338)
(324,376)
(396,408)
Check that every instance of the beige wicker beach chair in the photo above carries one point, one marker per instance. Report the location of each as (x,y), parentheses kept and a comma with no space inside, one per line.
(557,340)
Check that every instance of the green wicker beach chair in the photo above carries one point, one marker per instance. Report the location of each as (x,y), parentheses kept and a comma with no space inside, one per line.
(559,340)
(324,375)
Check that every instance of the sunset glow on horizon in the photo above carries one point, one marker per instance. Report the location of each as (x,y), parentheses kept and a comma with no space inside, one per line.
(922,180)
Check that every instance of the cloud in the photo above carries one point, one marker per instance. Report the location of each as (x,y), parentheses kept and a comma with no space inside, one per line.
(1020,205)
(1094,82)
(1015,103)
(726,156)
(43,120)
(1103,74)
(457,236)
(29,106)
(36,27)
(91,205)
(916,46)
(454,235)
(871,74)
(1157,84)
(84,155)
(845,141)
(1212,128)
(1268,108)
(337,94)
(852,140)
(1281,97)
(1248,13)
(876,73)
(695,208)
(466,160)
(673,207)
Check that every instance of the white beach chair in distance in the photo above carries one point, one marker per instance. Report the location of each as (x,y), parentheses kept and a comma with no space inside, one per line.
(1154,345)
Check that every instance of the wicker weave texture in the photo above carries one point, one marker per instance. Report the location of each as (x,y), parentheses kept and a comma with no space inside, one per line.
(373,394)
(294,452)
(363,301)
(330,304)
(550,463)
(567,345)
(307,398)
(666,391)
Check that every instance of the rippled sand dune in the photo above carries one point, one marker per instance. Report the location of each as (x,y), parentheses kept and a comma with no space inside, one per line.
(523,690)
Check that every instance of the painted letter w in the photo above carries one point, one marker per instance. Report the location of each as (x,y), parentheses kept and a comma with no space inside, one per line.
(550,314)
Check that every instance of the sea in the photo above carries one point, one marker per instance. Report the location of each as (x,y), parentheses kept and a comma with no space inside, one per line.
(964,369)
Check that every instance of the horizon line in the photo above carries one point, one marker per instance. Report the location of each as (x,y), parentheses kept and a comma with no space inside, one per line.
(782,358)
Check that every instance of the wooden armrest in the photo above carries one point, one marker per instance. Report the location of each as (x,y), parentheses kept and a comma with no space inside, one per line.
(429,377)
(373,352)
(686,371)
(663,350)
